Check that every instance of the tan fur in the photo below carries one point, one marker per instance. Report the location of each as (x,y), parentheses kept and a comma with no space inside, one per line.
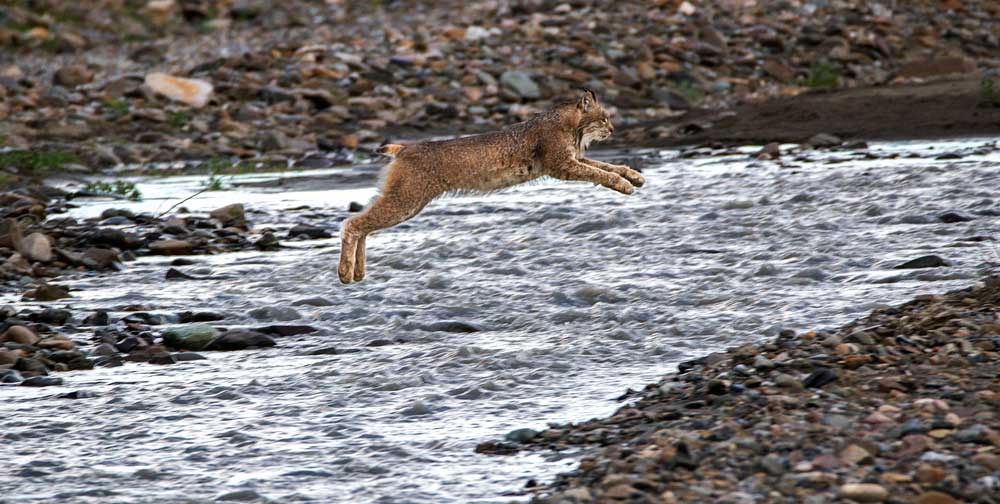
(549,144)
(390,150)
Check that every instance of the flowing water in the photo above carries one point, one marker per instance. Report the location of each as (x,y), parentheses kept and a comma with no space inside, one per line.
(578,294)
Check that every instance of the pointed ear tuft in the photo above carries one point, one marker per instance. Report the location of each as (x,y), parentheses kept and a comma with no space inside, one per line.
(588,100)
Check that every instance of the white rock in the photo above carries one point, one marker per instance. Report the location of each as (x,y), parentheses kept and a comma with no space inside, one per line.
(37,247)
(476,33)
(194,92)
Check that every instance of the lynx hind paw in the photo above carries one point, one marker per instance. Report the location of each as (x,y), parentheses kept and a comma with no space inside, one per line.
(346,274)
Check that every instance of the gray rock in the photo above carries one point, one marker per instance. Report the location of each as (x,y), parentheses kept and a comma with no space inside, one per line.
(762,363)
(275,313)
(927,261)
(239,496)
(313,301)
(824,140)
(521,435)
(10,376)
(978,433)
(188,356)
(190,337)
(37,247)
(521,84)
(240,339)
(41,381)
(773,465)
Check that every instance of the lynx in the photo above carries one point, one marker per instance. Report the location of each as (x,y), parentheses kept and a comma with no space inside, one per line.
(550,144)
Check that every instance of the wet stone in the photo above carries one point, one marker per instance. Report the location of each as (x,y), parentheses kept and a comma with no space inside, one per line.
(286,330)
(191,337)
(521,435)
(41,381)
(240,339)
(928,261)
(98,318)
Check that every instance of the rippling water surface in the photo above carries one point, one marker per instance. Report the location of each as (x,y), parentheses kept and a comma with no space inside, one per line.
(578,292)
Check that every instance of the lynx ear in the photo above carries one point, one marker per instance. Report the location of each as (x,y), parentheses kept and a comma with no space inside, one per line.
(588,100)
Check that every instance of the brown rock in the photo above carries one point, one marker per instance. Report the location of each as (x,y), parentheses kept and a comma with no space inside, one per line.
(230,215)
(936,498)
(171,247)
(72,76)
(854,454)
(10,234)
(621,491)
(927,473)
(988,460)
(779,71)
(20,334)
(99,258)
(8,357)
(48,292)
(57,343)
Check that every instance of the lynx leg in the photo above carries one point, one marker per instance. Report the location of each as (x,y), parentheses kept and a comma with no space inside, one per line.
(575,170)
(359,259)
(629,174)
(385,212)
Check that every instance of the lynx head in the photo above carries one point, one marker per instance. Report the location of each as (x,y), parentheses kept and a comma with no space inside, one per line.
(594,124)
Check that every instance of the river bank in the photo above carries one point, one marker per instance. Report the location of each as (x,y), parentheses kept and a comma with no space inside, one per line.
(330,81)
(898,406)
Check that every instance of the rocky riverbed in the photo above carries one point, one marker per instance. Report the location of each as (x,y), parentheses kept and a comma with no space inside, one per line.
(899,406)
(98,80)
(483,316)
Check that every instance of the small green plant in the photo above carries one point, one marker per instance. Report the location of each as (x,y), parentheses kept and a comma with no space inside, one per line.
(988,95)
(116,108)
(215,167)
(689,91)
(119,187)
(7,180)
(822,75)
(180,119)
(35,163)
(214,183)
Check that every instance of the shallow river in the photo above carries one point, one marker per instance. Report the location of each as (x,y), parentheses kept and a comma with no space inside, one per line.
(579,293)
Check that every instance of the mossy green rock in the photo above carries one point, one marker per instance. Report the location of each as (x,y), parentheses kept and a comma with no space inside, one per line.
(190,337)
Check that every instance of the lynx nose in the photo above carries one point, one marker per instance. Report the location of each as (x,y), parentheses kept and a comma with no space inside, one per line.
(611,128)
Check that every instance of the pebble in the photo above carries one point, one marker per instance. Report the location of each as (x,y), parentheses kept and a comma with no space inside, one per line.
(41,381)
(863,492)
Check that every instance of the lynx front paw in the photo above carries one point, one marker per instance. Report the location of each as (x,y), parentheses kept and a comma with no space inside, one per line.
(624,187)
(634,177)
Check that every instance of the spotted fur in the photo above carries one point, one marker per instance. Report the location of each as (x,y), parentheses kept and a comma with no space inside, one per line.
(550,144)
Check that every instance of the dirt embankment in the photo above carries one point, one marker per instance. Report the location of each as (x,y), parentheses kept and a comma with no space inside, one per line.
(961,107)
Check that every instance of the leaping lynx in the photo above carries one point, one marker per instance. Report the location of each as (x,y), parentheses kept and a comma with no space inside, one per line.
(550,144)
